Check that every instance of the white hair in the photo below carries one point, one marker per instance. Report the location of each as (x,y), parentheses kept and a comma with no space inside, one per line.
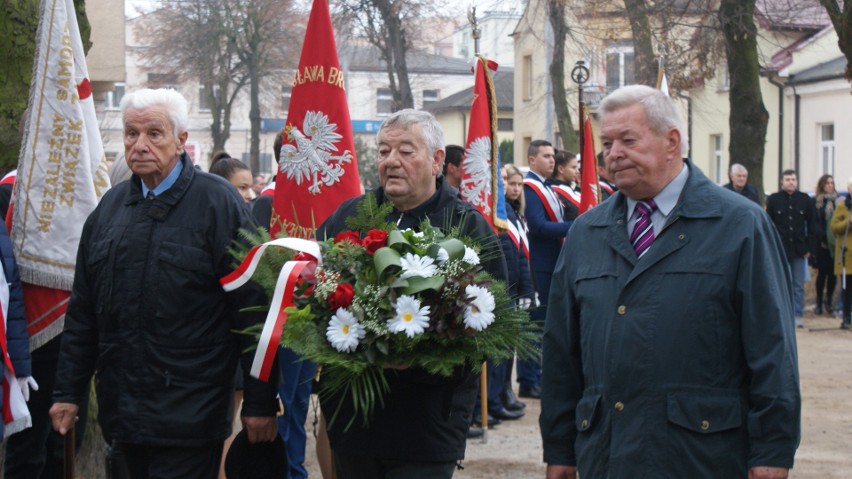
(660,109)
(433,134)
(175,104)
(737,168)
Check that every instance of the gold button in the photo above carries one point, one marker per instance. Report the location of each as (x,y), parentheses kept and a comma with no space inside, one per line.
(705,425)
(622,309)
(619,406)
(584,424)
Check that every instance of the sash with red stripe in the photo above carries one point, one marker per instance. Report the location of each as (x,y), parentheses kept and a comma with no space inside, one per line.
(518,235)
(606,187)
(568,193)
(548,199)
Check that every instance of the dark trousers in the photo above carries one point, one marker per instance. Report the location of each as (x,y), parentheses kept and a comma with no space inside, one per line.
(361,467)
(847,301)
(529,370)
(39,452)
(825,280)
(170,462)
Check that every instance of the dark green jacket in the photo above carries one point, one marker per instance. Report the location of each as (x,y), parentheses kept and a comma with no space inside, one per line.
(681,364)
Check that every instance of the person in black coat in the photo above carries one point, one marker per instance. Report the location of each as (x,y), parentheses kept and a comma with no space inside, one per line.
(148,315)
(794,217)
(420,431)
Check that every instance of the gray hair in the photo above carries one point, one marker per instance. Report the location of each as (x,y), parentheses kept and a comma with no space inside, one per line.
(737,168)
(660,109)
(174,102)
(433,134)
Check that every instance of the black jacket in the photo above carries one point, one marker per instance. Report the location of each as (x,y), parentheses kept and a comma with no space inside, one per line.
(794,217)
(424,418)
(147,314)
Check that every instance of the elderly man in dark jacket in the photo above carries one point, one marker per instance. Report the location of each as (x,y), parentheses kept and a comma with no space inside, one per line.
(147,314)
(420,430)
(671,355)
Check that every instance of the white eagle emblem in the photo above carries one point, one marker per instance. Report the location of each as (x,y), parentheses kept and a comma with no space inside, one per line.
(312,159)
(477,163)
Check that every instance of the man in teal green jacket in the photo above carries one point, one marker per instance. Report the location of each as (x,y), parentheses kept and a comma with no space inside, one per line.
(669,351)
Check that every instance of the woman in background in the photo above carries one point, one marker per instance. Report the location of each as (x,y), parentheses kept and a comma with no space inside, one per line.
(825,199)
(236,172)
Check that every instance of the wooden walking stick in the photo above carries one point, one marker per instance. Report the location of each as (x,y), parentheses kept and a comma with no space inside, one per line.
(69,454)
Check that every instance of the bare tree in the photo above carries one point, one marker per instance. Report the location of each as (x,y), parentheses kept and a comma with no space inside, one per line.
(556,16)
(840,12)
(225,46)
(645,59)
(748,118)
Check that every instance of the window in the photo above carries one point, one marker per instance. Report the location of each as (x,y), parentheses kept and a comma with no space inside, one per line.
(527,79)
(162,80)
(264,160)
(384,101)
(114,96)
(505,124)
(430,97)
(619,67)
(718,158)
(826,148)
(203,99)
(286,92)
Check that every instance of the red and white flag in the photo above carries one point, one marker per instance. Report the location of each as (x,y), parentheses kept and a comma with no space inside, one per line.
(590,192)
(62,172)
(480,184)
(317,170)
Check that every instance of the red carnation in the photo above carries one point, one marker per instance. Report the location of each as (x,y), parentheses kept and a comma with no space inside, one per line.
(341,297)
(375,239)
(350,236)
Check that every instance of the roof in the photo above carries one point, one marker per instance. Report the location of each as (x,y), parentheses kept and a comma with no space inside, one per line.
(504,88)
(797,15)
(830,70)
(368,58)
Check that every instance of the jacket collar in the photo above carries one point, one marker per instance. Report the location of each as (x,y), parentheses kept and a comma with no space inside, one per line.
(691,204)
(170,197)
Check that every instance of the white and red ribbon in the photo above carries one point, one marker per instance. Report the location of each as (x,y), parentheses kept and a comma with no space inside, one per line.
(282,297)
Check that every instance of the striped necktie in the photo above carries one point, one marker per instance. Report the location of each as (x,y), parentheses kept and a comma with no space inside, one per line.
(643,231)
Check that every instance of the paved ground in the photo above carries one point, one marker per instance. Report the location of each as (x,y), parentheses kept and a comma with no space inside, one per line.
(513,449)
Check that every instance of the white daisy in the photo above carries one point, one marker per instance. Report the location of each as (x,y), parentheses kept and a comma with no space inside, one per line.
(410,317)
(344,331)
(480,312)
(470,256)
(414,265)
(443,256)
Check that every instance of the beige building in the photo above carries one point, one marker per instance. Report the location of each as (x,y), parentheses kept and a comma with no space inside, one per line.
(805,109)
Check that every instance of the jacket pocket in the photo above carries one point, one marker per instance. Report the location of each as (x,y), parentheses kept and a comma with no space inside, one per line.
(586,412)
(100,272)
(186,257)
(704,413)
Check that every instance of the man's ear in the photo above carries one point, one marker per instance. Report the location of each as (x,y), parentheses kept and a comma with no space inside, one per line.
(673,142)
(438,161)
(182,136)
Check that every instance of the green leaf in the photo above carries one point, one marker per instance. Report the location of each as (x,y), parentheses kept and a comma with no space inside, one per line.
(397,241)
(417,284)
(386,261)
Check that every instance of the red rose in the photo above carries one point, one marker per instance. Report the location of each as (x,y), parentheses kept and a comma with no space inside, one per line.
(375,239)
(350,236)
(341,297)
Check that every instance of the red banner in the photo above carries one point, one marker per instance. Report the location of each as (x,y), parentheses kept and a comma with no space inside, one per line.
(480,184)
(589,189)
(317,170)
